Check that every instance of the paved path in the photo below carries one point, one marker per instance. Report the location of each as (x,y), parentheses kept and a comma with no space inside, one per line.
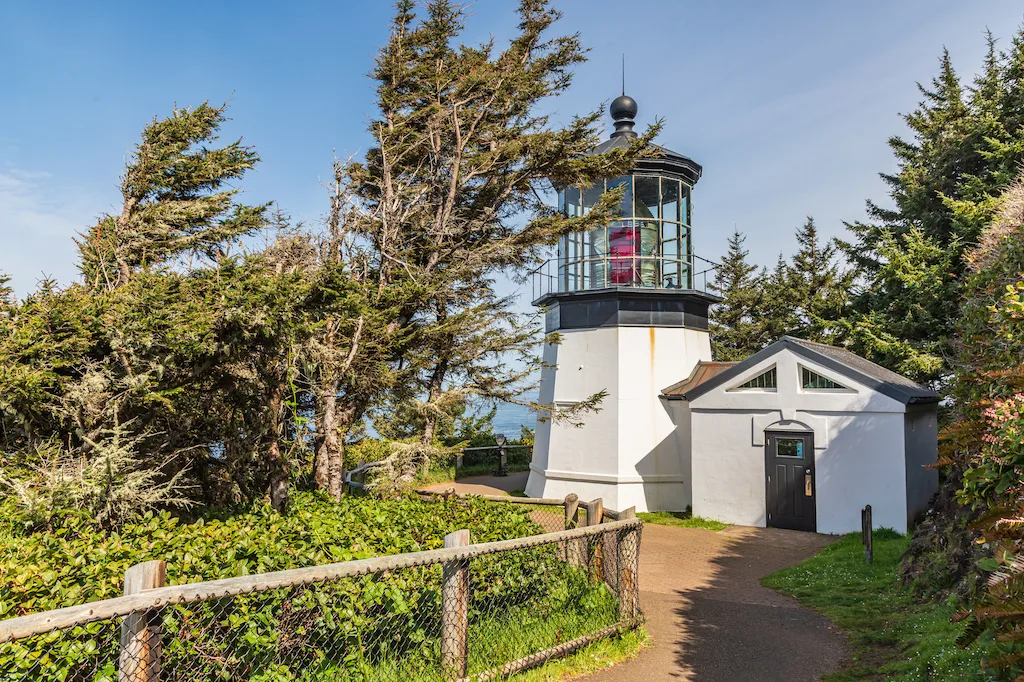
(483,485)
(712,621)
(708,615)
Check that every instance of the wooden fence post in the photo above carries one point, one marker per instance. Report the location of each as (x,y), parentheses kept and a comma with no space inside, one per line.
(455,610)
(593,545)
(627,560)
(572,506)
(139,659)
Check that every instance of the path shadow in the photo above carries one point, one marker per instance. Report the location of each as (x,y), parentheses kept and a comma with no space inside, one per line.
(732,628)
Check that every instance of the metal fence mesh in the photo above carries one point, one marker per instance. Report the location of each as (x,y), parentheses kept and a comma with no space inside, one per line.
(486,617)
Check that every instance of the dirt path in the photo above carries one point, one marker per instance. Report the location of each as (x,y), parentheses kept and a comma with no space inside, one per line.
(708,615)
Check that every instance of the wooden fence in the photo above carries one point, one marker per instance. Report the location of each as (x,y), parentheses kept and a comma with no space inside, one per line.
(608,553)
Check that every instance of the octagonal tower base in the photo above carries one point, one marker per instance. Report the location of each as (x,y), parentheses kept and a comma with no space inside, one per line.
(630,343)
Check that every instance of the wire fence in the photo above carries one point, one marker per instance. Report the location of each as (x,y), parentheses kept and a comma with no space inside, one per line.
(484,611)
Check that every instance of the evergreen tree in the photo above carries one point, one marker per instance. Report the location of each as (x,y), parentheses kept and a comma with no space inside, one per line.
(964,150)
(819,287)
(777,310)
(736,331)
(461,152)
(174,201)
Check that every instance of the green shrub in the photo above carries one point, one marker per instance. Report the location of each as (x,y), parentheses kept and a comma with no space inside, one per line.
(378,624)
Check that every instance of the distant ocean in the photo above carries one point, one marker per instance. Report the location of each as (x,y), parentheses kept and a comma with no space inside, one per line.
(509,419)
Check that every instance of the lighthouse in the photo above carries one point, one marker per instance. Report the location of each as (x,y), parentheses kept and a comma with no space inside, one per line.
(631,316)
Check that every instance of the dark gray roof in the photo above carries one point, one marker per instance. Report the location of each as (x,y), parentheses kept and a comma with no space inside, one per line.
(839,360)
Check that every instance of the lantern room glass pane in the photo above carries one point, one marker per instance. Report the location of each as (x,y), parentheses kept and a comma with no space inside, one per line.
(646,196)
(670,274)
(591,195)
(670,199)
(648,252)
(684,204)
(626,207)
(572,202)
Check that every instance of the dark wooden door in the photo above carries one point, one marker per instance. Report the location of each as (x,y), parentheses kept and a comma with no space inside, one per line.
(789,470)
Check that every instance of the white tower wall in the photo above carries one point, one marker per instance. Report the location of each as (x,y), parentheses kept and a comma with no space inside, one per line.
(635,450)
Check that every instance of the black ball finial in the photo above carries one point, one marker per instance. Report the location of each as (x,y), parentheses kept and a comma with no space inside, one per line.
(622,107)
(623,110)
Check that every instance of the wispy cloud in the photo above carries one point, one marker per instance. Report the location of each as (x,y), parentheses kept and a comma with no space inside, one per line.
(37,223)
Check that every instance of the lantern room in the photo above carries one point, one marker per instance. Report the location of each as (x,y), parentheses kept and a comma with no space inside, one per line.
(648,245)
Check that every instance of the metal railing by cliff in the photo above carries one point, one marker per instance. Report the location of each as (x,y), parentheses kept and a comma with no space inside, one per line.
(642,272)
(486,459)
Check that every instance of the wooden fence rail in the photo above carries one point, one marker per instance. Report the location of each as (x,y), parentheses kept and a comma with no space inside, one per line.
(145,594)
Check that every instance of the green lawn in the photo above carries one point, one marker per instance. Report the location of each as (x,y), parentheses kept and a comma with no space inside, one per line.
(894,635)
(682,519)
(597,656)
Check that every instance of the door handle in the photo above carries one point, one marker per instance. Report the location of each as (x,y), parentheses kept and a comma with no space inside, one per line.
(808,484)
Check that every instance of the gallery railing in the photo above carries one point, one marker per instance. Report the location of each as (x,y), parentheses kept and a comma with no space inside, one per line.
(644,272)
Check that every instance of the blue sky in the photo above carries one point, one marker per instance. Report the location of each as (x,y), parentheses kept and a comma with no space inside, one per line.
(787,105)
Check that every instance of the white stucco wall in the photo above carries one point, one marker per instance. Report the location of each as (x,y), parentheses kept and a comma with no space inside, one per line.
(628,452)
(858,439)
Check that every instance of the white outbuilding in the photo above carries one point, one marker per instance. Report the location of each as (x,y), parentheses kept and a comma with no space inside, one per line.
(802,435)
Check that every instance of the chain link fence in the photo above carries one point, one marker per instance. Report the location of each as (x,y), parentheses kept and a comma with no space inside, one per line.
(481,612)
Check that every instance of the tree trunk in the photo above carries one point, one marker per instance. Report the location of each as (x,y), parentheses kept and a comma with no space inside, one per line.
(277,464)
(434,390)
(345,418)
(327,431)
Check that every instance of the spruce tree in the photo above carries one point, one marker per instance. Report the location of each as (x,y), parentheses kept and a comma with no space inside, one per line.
(777,311)
(820,288)
(736,331)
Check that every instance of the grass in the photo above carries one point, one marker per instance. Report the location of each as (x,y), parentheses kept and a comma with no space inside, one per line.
(500,636)
(895,636)
(590,659)
(682,519)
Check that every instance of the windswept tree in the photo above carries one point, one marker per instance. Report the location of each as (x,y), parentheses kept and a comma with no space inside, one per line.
(453,193)
(176,202)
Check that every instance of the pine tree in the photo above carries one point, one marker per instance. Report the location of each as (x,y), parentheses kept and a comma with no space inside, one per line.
(736,331)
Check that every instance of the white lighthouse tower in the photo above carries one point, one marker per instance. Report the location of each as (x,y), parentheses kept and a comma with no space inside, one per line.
(624,302)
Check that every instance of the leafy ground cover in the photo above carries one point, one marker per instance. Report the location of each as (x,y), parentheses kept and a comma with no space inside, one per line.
(386,626)
(684,519)
(895,636)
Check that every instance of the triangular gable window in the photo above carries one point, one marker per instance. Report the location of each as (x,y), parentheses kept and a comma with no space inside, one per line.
(766,380)
(811,379)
